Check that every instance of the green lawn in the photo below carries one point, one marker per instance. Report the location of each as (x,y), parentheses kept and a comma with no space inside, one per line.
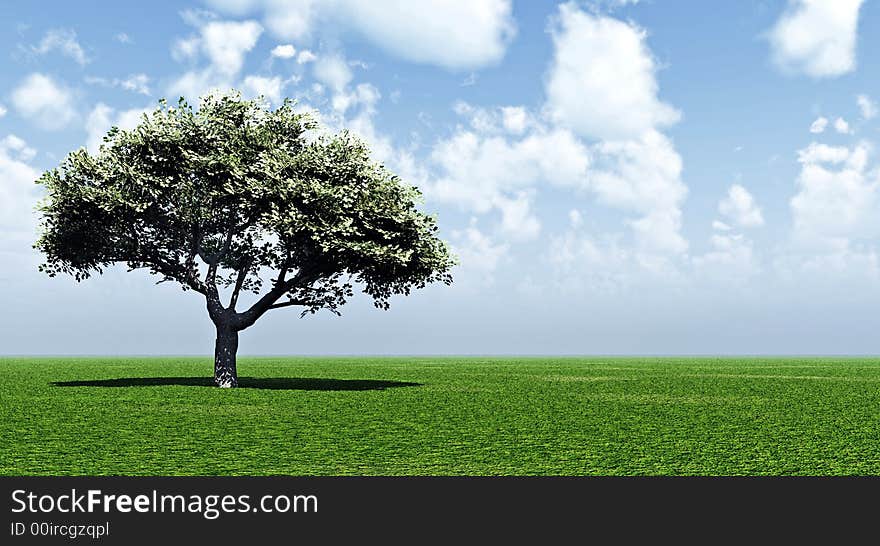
(418,416)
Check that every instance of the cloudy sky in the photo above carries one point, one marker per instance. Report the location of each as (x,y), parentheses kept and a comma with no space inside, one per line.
(616,176)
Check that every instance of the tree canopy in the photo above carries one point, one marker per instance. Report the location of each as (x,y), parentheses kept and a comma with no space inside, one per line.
(214,197)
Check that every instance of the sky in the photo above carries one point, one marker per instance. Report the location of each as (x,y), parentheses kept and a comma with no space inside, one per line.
(615,176)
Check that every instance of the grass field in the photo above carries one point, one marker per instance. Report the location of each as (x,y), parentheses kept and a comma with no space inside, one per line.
(448,416)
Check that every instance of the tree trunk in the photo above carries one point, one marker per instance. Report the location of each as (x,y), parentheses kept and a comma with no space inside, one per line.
(225,374)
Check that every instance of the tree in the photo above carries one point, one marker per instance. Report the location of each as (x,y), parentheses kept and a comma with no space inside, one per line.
(221,197)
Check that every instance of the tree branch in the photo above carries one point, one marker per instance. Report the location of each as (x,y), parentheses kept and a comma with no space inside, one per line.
(212,294)
(242,275)
(287,304)
(285,267)
(303,278)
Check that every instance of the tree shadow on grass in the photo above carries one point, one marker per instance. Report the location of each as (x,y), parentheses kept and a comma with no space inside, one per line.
(267,383)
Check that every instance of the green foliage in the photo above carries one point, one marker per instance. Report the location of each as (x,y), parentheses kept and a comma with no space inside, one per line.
(464,416)
(212,197)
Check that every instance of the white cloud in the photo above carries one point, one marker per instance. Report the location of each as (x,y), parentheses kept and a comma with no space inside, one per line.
(18,195)
(817,37)
(40,99)
(333,71)
(17,148)
(610,5)
(456,34)
(492,171)
(478,254)
(482,120)
(64,41)
(517,219)
(739,206)
(137,83)
(842,126)
(2,110)
(822,153)
(286,19)
(644,177)
(602,81)
(731,259)
(103,117)
(269,87)
(242,7)
(602,85)
(837,196)
(123,38)
(197,83)
(581,262)
(284,51)
(186,49)
(867,107)
(485,172)
(515,119)
(305,56)
(506,155)
(819,125)
(364,94)
(224,44)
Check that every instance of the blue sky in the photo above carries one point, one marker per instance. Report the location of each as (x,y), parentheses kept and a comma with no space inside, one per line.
(617,176)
